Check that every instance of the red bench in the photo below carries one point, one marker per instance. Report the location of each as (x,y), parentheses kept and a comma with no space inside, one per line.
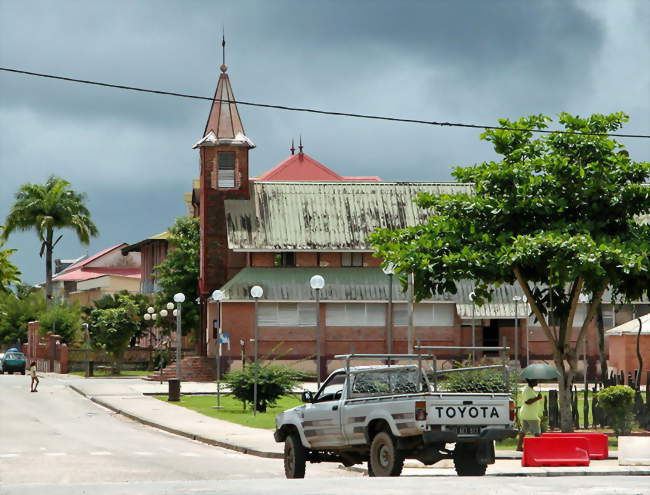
(597,442)
(555,451)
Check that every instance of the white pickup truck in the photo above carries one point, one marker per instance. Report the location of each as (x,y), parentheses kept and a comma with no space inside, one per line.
(385,414)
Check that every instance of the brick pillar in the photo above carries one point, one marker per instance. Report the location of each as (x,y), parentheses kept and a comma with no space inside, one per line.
(52,350)
(63,358)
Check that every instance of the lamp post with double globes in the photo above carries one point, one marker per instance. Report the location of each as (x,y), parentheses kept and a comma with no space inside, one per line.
(256,293)
(217,296)
(317,282)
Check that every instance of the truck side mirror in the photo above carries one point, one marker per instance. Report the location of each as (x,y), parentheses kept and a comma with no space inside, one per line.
(307,396)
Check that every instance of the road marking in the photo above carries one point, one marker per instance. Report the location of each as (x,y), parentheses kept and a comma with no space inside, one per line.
(101,452)
(143,453)
(189,454)
(9,455)
(55,454)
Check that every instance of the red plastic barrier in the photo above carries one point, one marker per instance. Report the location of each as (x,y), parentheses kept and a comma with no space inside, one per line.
(555,451)
(597,442)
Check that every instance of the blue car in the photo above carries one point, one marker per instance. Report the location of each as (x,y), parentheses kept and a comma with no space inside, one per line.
(13,360)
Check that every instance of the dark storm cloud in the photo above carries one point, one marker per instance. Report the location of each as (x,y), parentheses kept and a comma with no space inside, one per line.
(467,60)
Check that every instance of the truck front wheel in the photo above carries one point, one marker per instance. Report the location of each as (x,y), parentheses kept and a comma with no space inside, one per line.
(385,459)
(466,462)
(295,457)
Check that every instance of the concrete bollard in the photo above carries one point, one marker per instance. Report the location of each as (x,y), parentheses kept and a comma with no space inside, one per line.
(634,451)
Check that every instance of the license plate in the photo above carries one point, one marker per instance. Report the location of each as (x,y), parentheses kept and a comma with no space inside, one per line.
(467,430)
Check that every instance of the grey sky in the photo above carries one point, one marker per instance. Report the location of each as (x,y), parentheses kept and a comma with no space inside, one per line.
(473,61)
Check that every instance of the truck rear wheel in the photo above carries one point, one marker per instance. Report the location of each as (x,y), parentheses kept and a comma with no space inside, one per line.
(295,457)
(465,460)
(385,459)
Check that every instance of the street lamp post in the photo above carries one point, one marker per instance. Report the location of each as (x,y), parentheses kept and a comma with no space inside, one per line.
(524,300)
(317,282)
(472,296)
(87,346)
(217,296)
(256,293)
(179,299)
(516,299)
(389,270)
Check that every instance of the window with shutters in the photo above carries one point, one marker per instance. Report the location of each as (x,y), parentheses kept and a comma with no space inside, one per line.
(356,314)
(425,314)
(226,174)
(351,259)
(286,314)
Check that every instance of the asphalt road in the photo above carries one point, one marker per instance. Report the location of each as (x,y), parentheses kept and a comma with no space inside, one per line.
(55,436)
(56,442)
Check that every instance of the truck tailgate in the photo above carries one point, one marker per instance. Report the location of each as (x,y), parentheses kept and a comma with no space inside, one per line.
(468,410)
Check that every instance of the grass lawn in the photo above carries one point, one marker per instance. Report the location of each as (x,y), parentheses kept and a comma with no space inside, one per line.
(233,411)
(107,373)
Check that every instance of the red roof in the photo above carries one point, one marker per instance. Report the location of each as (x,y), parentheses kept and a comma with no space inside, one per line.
(302,167)
(81,271)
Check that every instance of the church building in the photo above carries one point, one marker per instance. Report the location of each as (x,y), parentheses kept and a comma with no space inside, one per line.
(301,219)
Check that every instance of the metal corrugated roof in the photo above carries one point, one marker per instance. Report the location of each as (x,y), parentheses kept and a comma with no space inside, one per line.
(359,284)
(292,284)
(632,327)
(325,215)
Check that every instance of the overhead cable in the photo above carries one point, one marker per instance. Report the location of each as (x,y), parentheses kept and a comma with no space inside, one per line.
(316,111)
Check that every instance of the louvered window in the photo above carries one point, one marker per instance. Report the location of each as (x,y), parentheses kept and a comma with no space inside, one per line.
(356,314)
(351,259)
(226,172)
(286,315)
(425,314)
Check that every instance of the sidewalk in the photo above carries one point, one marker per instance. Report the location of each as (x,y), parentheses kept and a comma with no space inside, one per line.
(132,399)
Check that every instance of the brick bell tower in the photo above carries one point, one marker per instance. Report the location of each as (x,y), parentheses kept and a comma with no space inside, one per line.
(223,176)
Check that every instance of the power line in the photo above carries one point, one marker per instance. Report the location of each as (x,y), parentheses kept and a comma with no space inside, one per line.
(316,111)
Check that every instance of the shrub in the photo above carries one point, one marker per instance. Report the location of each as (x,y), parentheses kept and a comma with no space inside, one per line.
(273,382)
(484,381)
(618,404)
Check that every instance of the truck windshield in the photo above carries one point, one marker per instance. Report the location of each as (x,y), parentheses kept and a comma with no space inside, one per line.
(387,381)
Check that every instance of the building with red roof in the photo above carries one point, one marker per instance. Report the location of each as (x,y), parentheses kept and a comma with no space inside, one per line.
(302,167)
(106,272)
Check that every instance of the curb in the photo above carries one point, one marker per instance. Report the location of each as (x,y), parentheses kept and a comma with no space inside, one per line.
(191,436)
(515,474)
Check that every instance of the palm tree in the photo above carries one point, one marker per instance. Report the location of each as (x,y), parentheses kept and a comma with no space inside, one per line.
(45,208)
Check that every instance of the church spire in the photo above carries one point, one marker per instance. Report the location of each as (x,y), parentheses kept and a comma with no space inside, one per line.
(224,126)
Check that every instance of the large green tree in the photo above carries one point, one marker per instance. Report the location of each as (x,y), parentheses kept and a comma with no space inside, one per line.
(46,208)
(112,328)
(559,214)
(180,271)
(62,319)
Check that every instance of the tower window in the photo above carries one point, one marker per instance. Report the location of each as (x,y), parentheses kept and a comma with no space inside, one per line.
(285,259)
(226,169)
(351,259)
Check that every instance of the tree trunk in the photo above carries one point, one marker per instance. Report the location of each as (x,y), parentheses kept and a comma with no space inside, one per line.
(601,345)
(565,382)
(637,383)
(48,267)
(117,364)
